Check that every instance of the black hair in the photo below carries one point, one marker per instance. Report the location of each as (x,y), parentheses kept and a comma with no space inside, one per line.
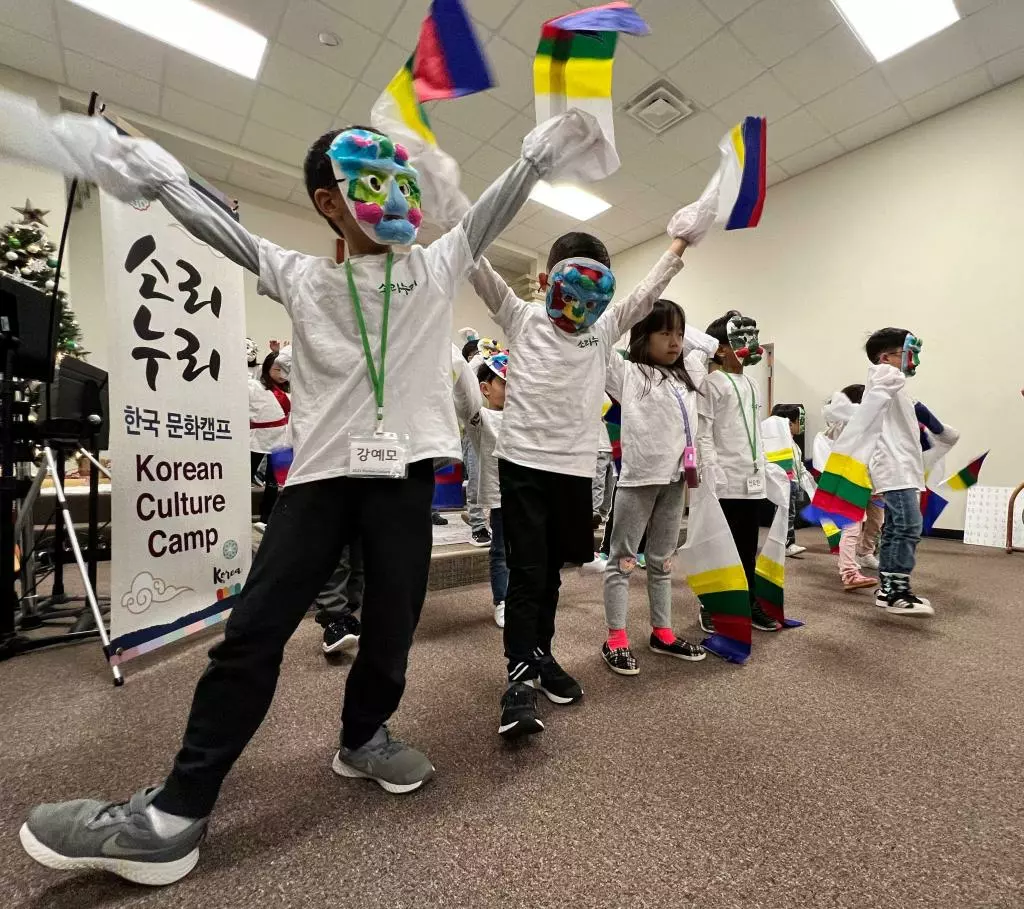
(318,171)
(469,349)
(789,411)
(578,245)
(884,339)
(719,330)
(484,373)
(666,316)
(269,360)
(855,393)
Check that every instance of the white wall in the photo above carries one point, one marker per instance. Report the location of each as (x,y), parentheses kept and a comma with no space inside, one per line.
(921,230)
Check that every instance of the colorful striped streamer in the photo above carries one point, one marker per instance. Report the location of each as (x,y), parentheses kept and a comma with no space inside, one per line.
(966,478)
(770,568)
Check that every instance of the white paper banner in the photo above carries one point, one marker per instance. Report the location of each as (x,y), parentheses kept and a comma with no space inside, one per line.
(179,430)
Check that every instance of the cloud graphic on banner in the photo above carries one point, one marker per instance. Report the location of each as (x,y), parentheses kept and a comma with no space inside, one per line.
(147,590)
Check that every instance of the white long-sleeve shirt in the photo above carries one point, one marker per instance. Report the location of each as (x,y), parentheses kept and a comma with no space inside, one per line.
(898,461)
(724,439)
(556,380)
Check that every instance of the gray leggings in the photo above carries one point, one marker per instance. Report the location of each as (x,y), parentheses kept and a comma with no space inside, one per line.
(659,509)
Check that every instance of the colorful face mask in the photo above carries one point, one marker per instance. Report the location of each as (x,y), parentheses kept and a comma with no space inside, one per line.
(378,185)
(911,355)
(252,349)
(498,363)
(803,419)
(488,347)
(743,338)
(579,290)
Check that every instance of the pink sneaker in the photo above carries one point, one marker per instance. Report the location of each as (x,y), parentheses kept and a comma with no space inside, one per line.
(858,582)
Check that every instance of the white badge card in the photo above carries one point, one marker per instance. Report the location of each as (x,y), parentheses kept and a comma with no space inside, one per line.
(377,454)
(755,484)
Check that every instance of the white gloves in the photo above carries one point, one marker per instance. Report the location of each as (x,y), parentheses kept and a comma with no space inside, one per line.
(571,145)
(692,222)
(85,147)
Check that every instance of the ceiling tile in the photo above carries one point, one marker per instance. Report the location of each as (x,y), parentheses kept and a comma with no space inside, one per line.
(201,117)
(616,245)
(696,137)
(932,62)
(356,108)
(775,174)
(263,16)
(950,94)
(376,16)
(552,223)
(493,12)
(874,128)
(854,102)
(103,39)
(656,160)
(521,235)
(764,97)
(522,28)
(834,59)
(212,84)
(619,187)
(275,144)
(793,134)
(637,235)
(632,74)
(304,21)
(631,137)
(774,29)
(512,70)
(210,171)
(34,18)
(271,108)
(681,188)
(478,115)
(114,85)
(487,162)
(388,60)
(998,28)
(510,137)
(812,157)
(405,30)
(645,203)
(727,10)
(677,28)
(277,186)
(966,7)
(473,187)
(31,54)
(454,141)
(615,221)
(1007,68)
(299,77)
(715,70)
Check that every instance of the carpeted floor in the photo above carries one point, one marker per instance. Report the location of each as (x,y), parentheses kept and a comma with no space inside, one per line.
(862,761)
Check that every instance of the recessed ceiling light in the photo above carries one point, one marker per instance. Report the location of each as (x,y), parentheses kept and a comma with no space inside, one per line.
(328,39)
(191,27)
(569,200)
(888,27)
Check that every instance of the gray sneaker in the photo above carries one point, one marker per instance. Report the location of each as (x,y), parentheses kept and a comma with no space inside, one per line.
(90,835)
(387,761)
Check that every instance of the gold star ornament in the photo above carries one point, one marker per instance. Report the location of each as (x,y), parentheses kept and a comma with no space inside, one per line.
(30,214)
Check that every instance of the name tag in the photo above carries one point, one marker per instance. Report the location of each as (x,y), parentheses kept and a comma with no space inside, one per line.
(377,455)
(755,484)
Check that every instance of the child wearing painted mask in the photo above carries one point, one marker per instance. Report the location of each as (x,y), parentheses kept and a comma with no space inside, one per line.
(657,389)
(269,409)
(547,451)
(363,186)
(731,447)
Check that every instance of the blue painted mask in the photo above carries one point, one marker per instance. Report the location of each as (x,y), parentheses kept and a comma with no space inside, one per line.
(579,290)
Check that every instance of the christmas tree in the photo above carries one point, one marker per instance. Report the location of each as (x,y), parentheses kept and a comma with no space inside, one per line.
(29,255)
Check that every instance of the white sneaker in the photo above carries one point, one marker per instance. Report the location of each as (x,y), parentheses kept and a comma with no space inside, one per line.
(794,551)
(868,561)
(598,566)
(499,614)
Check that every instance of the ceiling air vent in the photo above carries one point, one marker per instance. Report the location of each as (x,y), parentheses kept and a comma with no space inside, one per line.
(659,107)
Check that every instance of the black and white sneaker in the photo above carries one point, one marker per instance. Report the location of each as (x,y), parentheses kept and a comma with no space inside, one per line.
(680,649)
(342,634)
(519,711)
(438,519)
(760,619)
(620,660)
(707,624)
(558,686)
(482,537)
(904,603)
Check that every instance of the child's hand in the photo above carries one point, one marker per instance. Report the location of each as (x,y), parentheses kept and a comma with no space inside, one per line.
(692,222)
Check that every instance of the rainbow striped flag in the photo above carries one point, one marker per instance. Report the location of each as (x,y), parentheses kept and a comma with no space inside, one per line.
(778,444)
(448,62)
(742,174)
(832,535)
(966,478)
(770,568)
(399,107)
(716,576)
(932,505)
(573,66)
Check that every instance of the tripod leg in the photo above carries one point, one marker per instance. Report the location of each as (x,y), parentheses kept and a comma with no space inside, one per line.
(73,539)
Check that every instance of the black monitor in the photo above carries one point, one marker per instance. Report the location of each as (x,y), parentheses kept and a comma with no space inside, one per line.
(30,316)
(80,394)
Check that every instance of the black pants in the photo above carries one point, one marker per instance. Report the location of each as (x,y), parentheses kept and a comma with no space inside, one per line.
(547,522)
(270,487)
(311,524)
(743,517)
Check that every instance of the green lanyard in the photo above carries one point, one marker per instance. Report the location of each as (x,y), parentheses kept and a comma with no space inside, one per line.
(376,377)
(749,427)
